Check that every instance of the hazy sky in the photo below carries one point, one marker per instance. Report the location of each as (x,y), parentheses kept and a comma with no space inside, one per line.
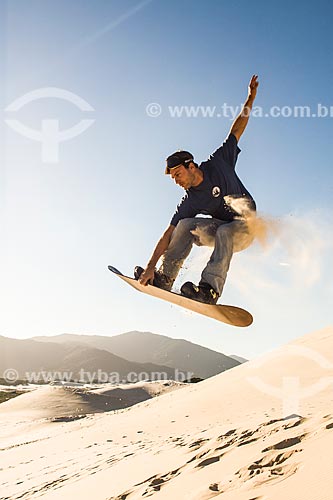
(69,209)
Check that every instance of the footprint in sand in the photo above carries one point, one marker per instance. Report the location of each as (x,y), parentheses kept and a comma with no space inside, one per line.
(286,443)
(271,467)
(198,443)
(209,461)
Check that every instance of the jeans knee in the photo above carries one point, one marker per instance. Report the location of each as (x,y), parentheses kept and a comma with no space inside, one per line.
(225,230)
(182,234)
(185,225)
(236,232)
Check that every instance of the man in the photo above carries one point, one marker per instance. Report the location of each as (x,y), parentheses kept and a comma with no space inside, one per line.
(214,189)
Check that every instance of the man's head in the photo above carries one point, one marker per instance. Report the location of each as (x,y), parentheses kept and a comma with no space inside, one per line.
(182,168)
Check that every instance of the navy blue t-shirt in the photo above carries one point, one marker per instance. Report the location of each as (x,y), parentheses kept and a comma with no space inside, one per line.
(220,179)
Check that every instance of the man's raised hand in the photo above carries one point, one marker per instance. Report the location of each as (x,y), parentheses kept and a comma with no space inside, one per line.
(253,85)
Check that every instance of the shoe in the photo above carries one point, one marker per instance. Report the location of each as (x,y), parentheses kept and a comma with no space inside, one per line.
(202,293)
(160,279)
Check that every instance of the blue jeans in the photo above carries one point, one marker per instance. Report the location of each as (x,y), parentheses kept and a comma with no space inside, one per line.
(225,237)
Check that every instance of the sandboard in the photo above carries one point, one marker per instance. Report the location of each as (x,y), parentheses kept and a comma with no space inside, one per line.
(230,315)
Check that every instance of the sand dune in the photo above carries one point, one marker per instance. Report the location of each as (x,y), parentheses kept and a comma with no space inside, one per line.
(229,436)
(67,402)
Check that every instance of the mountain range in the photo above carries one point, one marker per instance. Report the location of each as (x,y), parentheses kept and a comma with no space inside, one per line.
(128,357)
(146,347)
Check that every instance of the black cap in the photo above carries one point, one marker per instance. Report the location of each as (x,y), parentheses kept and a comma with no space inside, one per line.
(178,158)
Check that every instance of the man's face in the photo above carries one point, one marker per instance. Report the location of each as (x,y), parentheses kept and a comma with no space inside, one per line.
(182,176)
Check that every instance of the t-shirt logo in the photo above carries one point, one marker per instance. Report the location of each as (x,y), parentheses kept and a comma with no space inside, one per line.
(216,191)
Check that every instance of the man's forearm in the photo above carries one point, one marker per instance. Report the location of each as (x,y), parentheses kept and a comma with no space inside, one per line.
(158,252)
(242,119)
(160,248)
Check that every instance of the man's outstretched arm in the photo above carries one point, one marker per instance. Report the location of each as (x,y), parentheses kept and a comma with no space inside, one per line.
(240,122)
(163,243)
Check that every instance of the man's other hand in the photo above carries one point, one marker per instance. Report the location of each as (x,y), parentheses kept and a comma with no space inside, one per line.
(147,277)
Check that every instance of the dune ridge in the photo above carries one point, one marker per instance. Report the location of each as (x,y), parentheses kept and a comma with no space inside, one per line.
(224,437)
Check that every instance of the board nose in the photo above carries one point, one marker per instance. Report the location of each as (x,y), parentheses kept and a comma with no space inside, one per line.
(114,270)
